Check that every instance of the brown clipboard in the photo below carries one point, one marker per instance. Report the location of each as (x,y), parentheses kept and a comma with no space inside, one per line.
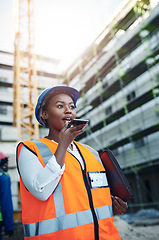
(119,185)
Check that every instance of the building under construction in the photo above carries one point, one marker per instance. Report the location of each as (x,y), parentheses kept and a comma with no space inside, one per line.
(118,80)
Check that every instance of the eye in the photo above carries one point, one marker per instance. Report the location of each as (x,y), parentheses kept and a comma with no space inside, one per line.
(60,106)
(72,107)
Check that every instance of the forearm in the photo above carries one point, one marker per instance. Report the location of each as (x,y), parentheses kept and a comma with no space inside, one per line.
(60,154)
(45,182)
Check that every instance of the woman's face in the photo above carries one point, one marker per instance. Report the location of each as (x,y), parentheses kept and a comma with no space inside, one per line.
(60,109)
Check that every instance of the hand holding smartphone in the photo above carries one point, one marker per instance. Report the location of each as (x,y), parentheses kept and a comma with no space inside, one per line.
(76,122)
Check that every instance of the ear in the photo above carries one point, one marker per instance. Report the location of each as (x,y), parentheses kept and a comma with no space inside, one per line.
(45,115)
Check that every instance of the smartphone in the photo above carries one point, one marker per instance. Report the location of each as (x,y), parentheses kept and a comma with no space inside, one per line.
(76,122)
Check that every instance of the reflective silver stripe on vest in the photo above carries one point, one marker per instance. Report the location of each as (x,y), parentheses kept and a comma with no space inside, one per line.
(67,221)
(44,150)
(57,195)
(58,200)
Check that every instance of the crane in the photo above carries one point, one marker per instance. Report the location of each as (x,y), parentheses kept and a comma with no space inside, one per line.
(25,75)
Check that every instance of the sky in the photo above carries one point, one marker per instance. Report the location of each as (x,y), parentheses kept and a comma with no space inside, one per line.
(63,28)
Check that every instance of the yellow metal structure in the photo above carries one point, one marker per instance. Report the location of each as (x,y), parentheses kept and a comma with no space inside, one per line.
(25,82)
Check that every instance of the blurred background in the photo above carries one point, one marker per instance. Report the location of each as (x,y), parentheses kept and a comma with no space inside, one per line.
(109,51)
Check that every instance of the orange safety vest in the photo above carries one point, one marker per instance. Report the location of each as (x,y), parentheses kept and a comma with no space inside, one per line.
(74,210)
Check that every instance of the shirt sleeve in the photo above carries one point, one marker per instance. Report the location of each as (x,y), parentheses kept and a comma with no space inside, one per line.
(40,181)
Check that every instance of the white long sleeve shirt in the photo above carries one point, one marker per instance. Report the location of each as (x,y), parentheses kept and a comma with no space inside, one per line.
(41,181)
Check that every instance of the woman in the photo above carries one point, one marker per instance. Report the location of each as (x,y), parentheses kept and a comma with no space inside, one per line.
(64,189)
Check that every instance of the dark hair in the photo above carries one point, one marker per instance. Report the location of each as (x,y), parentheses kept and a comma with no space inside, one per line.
(3,161)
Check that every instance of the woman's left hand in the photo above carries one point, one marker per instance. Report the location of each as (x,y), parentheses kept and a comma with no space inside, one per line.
(119,206)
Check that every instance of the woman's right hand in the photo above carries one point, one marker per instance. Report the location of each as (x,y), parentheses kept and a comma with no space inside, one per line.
(66,136)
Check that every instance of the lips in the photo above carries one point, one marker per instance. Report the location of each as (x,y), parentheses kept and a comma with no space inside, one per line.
(67,119)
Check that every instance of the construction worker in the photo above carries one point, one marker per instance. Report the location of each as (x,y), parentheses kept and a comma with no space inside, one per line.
(6,206)
(63,184)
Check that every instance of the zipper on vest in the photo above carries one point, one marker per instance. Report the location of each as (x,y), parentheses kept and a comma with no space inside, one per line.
(96,226)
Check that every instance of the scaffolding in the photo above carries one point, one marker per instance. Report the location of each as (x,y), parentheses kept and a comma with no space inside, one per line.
(118,81)
(25,82)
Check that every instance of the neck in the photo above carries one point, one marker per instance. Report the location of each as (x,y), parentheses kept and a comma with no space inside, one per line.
(53,135)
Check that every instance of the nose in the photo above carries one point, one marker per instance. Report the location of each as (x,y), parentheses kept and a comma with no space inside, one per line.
(67,109)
